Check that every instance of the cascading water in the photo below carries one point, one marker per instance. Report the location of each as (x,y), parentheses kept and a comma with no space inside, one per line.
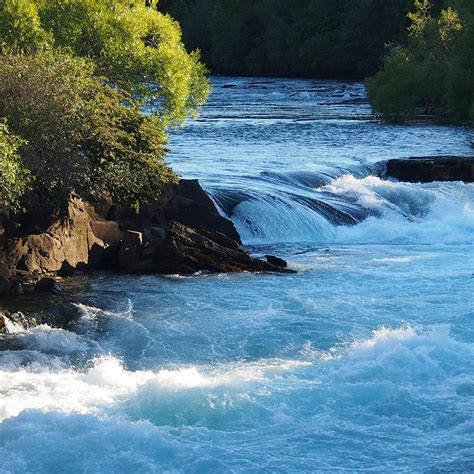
(362,361)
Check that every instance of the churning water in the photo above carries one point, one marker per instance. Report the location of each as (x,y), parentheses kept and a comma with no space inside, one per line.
(362,361)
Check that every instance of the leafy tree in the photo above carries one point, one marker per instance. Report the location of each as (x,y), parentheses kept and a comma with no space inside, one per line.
(434,73)
(84,137)
(15,178)
(134,46)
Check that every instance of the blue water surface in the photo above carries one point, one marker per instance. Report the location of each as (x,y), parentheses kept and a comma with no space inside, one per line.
(363,361)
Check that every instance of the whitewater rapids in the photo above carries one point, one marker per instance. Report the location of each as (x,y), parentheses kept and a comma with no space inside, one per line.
(363,361)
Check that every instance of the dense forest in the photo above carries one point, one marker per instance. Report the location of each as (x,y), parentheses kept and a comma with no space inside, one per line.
(425,49)
(328,38)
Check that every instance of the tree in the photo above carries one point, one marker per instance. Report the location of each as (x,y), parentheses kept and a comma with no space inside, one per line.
(136,48)
(434,72)
(83,137)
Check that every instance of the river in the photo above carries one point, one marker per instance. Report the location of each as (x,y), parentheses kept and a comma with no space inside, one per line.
(361,361)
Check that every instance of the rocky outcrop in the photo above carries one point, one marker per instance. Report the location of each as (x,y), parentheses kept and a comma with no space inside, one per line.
(186,250)
(181,232)
(425,170)
(68,240)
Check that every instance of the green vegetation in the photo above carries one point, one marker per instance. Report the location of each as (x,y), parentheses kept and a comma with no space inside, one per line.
(425,50)
(74,78)
(15,178)
(434,73)
(343,38)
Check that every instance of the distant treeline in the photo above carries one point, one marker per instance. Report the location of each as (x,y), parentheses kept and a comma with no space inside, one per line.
(434,73)
(419,54)
(317,38)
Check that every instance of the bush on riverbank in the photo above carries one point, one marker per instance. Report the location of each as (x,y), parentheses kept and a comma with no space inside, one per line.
(75,76)
(83,137)
(434,73)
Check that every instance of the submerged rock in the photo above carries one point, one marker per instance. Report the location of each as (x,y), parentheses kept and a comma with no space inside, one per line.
(279,262)
(48,285)
(5,286)
(11,323)
(428,169)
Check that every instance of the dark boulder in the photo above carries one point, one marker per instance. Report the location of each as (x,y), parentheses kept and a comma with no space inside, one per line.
(16,289)
(278,262)
(66,269)
(187,250)
(192,207)
(48,285)
(130,249)
(5,286)
(429,169)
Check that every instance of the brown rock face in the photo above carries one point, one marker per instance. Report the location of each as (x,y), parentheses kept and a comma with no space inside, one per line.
(426,170)
(182,232)
(186,250)
(68,241)
(192,207)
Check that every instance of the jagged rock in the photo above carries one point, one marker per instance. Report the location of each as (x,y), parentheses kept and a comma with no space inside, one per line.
(107,231)
(182,232)
(186,250)
(192,207)
(48,285)
(68,240)
(428,169)
(154,234)
(66,269)
(279,262)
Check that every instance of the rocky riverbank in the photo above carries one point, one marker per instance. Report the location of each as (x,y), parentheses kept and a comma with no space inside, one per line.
(181,232)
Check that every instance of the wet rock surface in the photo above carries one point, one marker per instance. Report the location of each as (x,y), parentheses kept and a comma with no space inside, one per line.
(181,232)
(429,169)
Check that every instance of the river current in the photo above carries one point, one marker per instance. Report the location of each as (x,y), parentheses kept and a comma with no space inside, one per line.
(363,361)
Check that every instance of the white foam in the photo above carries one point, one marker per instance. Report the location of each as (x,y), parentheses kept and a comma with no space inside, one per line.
(48,339)
(407,213)
(107,382)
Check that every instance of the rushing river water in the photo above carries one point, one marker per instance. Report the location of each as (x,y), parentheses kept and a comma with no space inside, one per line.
(362,361)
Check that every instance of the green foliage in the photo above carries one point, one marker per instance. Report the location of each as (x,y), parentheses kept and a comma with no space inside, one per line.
(291,37)
(136,47)
(434,73)
(84,137)
(126,151)
(15,178)
(44,98)
(75,76)
(20,25)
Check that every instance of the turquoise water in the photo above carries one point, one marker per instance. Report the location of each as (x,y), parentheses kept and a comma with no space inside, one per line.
(362,361)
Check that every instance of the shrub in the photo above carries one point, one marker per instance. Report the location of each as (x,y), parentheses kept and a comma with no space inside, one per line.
(84,137)
(434,73)
(15,179)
